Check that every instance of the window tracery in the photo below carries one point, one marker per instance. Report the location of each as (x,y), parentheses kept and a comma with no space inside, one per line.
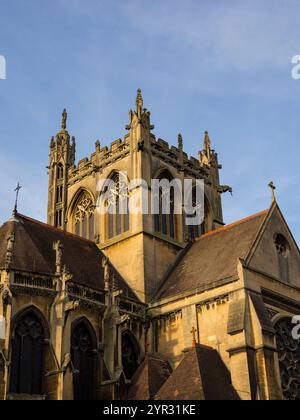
(84,218)
(117,206)
(289,359)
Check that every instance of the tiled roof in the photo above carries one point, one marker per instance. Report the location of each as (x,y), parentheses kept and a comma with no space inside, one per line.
(212,258)
(33,252)
(200,376)
(149,378)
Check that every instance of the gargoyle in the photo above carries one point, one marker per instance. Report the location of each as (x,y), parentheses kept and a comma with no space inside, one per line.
(224,189)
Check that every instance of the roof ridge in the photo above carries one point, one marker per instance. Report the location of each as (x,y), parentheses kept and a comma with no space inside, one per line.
(232,225)
(49,227)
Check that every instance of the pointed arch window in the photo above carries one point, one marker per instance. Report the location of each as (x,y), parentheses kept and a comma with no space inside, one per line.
(118,207)
(130,354)
(59,218)
(165,221)
(28,356)
(195,231)
(83,357)
(84,217)
(60,171)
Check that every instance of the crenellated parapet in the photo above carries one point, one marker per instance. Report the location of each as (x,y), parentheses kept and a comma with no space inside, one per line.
(140,139)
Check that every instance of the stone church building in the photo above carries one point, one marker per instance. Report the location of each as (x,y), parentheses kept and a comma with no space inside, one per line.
(135,306)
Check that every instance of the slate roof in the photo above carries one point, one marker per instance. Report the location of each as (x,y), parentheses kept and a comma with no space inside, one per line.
(33,252)
(212,258)
(149,378)
(201,375)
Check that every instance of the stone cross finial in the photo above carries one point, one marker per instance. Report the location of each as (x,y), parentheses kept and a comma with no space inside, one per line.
(17,190)
(64,120)
(194,332)
(180,142)
(273,189)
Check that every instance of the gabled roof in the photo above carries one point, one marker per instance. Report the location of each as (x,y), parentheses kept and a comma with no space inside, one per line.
(149,378)
(212,258)
(33,252)
(201,375)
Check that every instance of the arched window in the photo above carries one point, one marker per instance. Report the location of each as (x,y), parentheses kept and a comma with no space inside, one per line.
(59,194)
(60,171)
(195,231)
(130,354)
(59,218)
(84,219)
(282,245)
(283,249)
(165,221)
(83,345)
(117,206)
(27,356)
(289,359)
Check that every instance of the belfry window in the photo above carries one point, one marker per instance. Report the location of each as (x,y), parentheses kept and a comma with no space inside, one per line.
(84,219)
(117,207)
(196,230)
(165,221)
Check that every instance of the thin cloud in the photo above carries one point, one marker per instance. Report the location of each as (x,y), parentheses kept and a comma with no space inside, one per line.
(243,35)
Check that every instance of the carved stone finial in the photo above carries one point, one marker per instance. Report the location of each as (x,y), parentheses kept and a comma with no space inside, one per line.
(64,120)
(9,249)
(58,247)
(98,145)
(180,142)
(207,144)
(105,266)
(139,101)
(205,155)
(273,189)
(194,332)
(6,297)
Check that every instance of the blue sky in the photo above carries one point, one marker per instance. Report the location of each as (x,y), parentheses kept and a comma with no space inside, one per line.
(224,66)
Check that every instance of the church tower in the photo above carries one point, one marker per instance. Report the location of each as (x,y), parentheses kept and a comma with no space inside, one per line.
(142,246)
(62,156)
